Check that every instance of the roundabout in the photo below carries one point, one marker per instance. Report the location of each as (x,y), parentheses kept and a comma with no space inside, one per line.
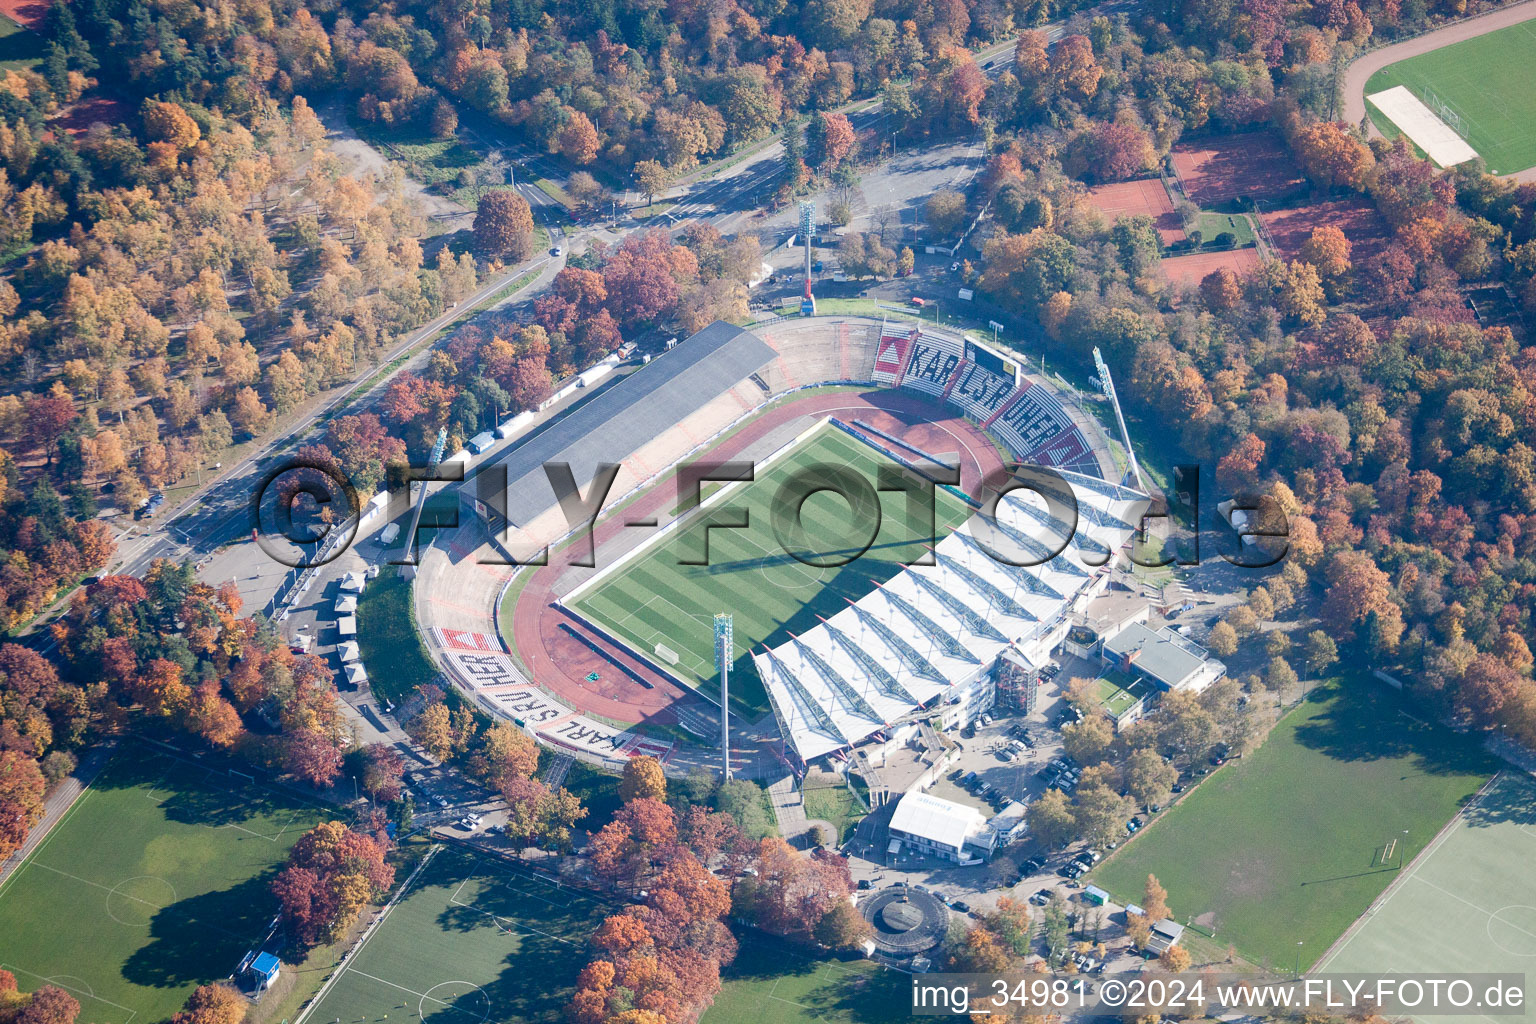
(906,921)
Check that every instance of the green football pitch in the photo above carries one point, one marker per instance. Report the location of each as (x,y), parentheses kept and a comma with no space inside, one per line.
(1467,905)
(655,599)
(1486,83)
(153,883)
(471,940)
(1293,842)
(771,983)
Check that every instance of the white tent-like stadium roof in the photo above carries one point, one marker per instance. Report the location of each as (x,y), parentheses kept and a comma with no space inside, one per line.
(933,818)
(933,628)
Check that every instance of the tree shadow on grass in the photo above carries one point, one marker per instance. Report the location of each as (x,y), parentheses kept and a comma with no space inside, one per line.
(858,994)
(1359,719)
(201,939)
(191,794)
(1512,799)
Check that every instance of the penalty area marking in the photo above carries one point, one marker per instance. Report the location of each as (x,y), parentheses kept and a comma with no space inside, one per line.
(1529,917)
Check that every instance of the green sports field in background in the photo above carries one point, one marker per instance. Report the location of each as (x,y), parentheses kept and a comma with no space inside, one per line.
(1487,82)
(655,599)
(772,983)
(1469,905)
(472,940)
(1287,844)
(155,882)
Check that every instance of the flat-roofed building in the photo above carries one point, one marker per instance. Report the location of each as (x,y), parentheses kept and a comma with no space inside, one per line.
(1162,656)
(931,825)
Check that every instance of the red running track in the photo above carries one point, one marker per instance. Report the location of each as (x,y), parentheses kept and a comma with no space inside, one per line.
(560,662)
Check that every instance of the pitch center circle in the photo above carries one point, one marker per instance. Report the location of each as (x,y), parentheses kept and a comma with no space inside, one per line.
(1513,929)
(135,901)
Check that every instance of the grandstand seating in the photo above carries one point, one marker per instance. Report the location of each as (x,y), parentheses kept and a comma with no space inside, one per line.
(891,353)
(1030,421)
(933,361)
(980,393)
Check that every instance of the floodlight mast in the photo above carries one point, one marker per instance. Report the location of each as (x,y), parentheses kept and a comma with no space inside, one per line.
(1107,385)
(725,653)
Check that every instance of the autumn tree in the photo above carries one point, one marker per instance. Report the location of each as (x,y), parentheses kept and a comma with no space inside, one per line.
(332,874)
(213,1004)
(504,225)
(1328,250)
(652,178)
(1051,821)
(1154,900)
(1321,652)
(433,731)
(1220,289)
(21,798)
(382,771)
(643,778)
(1175,959)
(945,213)
(843,927)
(1149,777)
(505,752)
(1087,741)
(578,139)
(1223,639)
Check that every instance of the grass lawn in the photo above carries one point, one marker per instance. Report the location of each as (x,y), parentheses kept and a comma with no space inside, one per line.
(1286,844)
(155,882)
(1469,904)
(653,599)
(1212,224)
(387,639)
(837,805)
(1486,81)
(1118,694)
(774,983)
(19,48)
(473,939)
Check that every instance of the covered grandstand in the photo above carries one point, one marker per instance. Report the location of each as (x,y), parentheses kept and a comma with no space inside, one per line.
(930,637)
(693,390)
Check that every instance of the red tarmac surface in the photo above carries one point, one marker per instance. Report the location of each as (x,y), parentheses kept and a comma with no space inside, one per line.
(1147,195)
(1191,269)
(561,662)
(1254,165)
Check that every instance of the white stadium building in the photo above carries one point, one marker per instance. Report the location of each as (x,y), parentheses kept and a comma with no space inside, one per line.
(926,644)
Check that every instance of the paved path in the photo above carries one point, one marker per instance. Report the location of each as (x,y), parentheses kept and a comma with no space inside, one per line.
(1356,75)
(58,803)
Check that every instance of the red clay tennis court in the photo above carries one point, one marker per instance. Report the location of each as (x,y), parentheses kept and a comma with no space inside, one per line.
(26,13)
(1189,270)
(1146,196)
(1254,165)
(1356,217)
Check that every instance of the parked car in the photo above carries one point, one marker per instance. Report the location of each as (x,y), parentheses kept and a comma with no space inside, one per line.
(1042,897)
(960,905)
(1074,870)
(919,301)
(865,883)
(1133,826)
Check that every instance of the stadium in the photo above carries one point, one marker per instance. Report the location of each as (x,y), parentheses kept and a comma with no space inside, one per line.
(868,599)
